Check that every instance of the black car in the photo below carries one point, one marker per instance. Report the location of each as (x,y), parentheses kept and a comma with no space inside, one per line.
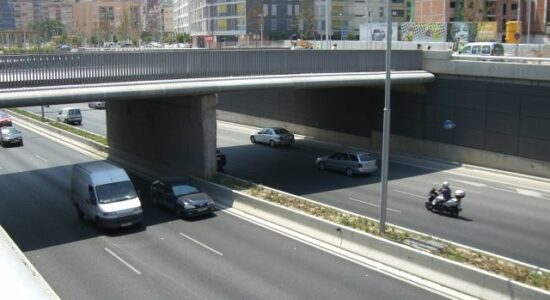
(220,160)
(179,195)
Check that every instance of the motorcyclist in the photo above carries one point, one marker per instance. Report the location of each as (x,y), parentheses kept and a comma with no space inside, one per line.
(445,191)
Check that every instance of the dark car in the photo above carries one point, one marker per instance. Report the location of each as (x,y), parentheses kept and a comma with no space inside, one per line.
(10,136)
(5,119)
(220,160)
(179,195)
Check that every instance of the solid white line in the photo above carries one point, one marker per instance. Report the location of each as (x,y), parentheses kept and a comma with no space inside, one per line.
(476,184)
(123,261)
(41,158)
(199,243)
(410,194)
(375,205)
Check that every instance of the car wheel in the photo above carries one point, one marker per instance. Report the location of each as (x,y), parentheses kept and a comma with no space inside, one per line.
(252,139)
(321,166)
(272,144)
(349,172)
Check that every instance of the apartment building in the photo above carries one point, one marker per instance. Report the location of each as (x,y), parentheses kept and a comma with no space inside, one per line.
(7,20)
(108,19)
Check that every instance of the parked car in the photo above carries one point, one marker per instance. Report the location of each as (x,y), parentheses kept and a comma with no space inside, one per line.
(351,162)
(5,119)
(181,196)
(220,159)
(273,136)
(9,136)
(96,104)
(483,48)
(70,115)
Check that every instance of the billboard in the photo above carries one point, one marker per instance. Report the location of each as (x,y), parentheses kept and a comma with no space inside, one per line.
(464,32)
(376,32)
(423,32)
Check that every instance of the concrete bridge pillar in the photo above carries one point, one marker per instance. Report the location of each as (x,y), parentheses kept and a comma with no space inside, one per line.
(175,133)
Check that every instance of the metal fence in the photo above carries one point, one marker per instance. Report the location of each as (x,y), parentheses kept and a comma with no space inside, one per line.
(101,67)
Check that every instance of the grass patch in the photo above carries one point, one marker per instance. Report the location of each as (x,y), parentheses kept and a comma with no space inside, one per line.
(66,127)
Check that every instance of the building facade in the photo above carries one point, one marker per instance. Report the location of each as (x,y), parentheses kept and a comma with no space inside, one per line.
(108,20)
(7,20)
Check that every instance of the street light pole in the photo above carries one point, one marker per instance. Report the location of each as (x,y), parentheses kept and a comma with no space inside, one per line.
(528,21)
(386,125)
(326,22)
(342,26)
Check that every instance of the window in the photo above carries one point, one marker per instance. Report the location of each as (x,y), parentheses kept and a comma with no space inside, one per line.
(289,9)
(381,12)
(265,10)
(452,4)
(486,49)
(273,9)
(353,157)
(476,50)
(514,6)
(504,12)
(273,24)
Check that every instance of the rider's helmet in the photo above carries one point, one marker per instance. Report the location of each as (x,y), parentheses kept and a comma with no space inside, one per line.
(445,184)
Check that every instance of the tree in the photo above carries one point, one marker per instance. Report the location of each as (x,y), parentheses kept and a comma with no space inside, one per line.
(47,28)
(307,17)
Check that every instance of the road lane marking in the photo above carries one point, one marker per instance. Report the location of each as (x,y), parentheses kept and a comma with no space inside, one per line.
(375,205)
(476,184)
(410,194)
(529,193)
(41,158)
(123,261)
(201,244)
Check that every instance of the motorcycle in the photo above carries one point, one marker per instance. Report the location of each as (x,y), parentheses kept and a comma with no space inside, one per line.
(437,202)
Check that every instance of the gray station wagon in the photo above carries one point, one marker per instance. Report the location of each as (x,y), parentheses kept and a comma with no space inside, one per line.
(351,162)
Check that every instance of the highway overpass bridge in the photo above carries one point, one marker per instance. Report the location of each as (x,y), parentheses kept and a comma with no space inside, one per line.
(162,106)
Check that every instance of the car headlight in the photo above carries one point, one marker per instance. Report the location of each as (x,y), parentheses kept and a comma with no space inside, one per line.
(109,214)
(188,205)
(211,203)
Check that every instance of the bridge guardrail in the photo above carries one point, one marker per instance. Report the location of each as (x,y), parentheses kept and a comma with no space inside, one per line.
(511,59)
(100,67)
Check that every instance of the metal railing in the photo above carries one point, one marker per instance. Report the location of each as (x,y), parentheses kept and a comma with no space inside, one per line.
(100,67)
(510,59)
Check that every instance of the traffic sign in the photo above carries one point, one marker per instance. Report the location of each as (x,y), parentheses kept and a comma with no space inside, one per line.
(517,36)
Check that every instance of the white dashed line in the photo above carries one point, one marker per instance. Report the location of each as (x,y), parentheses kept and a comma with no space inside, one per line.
(477,184)
(410,194)
(201,244)
(375,205)
(123,261)
(529,193)
(41,158)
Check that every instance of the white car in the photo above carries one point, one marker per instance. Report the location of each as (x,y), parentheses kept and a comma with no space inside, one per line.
(96,104)
(273,136)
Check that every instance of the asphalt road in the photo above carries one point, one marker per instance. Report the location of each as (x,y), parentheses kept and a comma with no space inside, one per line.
(503,214)
(216,257)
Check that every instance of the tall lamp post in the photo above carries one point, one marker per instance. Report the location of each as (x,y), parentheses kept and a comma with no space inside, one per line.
(342,26)
(386,125)
(326,22)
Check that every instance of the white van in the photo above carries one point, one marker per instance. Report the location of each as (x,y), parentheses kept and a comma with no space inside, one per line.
(483,48)
(104,194)
(70,115)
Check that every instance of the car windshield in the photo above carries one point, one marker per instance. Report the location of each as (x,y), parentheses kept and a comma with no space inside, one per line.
(365,157)
(182,190)
(114,192)
(9,130)
(281,131)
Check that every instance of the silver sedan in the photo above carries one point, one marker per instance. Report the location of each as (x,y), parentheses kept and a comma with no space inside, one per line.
(350,162)
(273,136)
